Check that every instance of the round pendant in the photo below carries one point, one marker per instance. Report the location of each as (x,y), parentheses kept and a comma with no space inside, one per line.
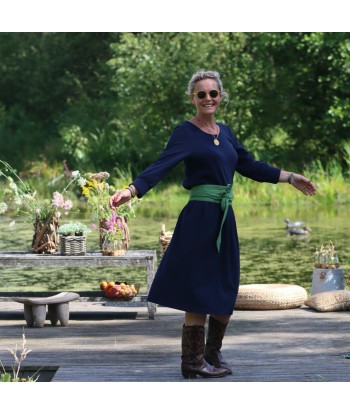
(216,142)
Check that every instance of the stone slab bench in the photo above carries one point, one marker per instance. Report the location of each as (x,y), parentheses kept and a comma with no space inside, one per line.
(57,308)
(24,259)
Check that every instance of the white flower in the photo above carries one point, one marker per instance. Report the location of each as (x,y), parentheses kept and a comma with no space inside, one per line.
(28,196)
(75,173)
(18,201)
(13,185)
(3,207)
(81,181)
(12,224)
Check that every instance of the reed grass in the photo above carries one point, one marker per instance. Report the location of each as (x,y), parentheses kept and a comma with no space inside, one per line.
(332,189)
(167,199)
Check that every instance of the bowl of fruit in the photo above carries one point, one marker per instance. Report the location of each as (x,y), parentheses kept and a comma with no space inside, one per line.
(121,291)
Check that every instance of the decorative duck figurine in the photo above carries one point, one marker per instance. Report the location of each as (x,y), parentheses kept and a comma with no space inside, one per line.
(299,231)
(290,224)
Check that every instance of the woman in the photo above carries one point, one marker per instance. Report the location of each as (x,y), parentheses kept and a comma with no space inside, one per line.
(199,272)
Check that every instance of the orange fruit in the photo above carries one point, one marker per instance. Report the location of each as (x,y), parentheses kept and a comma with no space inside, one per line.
(111,284)
(103,285)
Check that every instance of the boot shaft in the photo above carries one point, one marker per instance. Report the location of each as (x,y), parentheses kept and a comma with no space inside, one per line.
(212,354)
(193,338)
(216,333)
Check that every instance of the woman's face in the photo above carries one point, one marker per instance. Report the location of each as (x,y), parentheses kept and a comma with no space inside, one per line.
(206,105)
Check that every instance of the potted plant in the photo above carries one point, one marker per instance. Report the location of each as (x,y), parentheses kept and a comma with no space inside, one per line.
(327,274)
(73,238)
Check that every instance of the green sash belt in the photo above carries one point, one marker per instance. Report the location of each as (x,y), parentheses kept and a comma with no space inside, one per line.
(216,194)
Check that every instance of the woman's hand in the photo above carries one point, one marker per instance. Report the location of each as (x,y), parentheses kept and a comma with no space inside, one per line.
(303,184)
(119,198)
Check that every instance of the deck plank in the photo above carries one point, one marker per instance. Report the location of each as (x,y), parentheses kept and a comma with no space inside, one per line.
(107,344)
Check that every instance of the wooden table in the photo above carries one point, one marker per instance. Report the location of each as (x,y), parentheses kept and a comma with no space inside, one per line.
(22,259)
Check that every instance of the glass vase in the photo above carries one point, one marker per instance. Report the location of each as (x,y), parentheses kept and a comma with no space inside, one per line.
(114,248)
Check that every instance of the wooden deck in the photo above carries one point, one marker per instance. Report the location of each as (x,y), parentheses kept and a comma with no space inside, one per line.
(114,344)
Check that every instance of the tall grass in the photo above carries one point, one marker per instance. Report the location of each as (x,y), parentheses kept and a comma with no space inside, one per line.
(332,189)
(167,199)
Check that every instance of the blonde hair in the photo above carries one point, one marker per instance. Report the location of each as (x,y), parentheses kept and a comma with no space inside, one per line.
(203,74)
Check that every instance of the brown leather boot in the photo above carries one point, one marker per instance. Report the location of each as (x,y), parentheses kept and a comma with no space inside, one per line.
(212,354)
(193,362)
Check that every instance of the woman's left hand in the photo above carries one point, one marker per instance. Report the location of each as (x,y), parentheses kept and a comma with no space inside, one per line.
(303,184)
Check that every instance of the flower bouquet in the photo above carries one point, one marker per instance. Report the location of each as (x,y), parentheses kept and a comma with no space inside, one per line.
(115,236)
(326,257)
(112,224)
(18,198)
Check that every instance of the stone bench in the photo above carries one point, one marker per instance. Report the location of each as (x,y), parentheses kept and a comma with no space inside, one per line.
(58,308)
(24,259)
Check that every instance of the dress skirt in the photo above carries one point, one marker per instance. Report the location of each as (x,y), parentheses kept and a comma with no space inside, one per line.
(192,275)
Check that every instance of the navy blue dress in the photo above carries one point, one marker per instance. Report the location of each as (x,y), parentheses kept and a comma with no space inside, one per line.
(192,276)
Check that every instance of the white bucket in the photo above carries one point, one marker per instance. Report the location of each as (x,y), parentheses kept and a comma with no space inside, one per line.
(327,280)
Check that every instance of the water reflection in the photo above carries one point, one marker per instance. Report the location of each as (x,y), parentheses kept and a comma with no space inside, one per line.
(268,253)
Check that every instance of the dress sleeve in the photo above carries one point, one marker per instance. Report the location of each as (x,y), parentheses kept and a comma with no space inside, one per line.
(173,154)
(256,170)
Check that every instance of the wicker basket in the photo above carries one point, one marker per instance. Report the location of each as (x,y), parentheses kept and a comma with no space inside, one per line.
(73,245)
(164,240)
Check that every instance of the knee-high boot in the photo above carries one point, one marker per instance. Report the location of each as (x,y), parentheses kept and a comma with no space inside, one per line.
(193,362)
(212,354)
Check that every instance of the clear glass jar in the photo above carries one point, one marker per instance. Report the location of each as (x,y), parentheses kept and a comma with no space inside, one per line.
(324,260)
(317,260)
(119,248)
(335,259)
(114,248)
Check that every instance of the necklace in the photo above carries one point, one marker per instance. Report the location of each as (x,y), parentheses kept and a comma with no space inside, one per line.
(215,136)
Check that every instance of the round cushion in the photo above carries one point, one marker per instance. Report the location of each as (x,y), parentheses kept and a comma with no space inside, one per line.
(270,296)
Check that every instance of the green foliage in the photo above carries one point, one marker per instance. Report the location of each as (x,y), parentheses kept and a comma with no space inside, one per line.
(105,101)
(73,229)
(49,81)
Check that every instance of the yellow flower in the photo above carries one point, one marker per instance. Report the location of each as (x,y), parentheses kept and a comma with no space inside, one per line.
(93,183)
(86,191)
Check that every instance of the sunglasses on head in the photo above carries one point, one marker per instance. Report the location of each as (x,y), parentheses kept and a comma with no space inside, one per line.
(201,94)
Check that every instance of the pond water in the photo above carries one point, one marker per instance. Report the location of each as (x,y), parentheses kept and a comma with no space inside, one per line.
(268,253)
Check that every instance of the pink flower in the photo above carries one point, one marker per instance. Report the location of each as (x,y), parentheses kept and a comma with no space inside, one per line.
(57,201)
(67,205)
(111,223)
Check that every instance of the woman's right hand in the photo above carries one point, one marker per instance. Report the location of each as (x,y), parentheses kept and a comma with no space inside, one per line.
(120,197)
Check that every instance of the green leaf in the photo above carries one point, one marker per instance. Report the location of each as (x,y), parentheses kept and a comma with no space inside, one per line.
(5,377)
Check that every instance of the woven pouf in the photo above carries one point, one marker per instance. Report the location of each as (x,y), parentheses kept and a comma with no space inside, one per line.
(270,297)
